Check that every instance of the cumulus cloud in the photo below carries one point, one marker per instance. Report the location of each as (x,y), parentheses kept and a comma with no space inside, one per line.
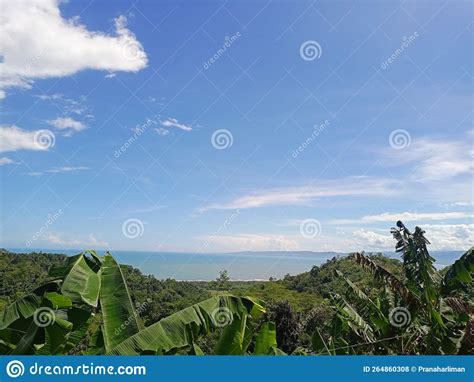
(36,42)
(12,138)
(67,123)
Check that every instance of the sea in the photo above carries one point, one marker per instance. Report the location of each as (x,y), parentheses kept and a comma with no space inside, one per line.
(243,266)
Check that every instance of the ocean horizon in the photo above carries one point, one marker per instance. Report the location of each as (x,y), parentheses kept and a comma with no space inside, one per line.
(241,266)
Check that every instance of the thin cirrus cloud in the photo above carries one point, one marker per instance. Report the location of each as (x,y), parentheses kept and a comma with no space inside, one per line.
(434,160)
(57,170)
(405,216)
(13,138)
(66,48)
(358,186)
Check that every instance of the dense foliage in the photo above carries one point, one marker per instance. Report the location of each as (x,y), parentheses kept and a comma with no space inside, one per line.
(359,304)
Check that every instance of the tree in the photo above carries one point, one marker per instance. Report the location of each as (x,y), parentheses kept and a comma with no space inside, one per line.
(223,281)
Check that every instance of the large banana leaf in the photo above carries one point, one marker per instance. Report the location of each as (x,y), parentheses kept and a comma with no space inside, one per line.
(82,282)
(266,339)
(235,338)
(120,321)
(172,333)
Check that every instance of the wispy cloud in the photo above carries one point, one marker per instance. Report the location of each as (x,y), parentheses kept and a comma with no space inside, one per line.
(171,122)
(360,186)
(5,160)
(434,160)
(57,170)
(405,216)
(147,209)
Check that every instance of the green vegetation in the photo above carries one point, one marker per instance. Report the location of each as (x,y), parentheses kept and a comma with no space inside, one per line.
(359,304)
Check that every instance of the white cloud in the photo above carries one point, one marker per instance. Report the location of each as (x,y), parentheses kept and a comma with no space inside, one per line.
(68,105)
(247,242)
(12,138)
(57,170)
(5,160)
(91,241)
(67,124)
(171,122)
(405,216)
(372,241)
(303,195)
(36,42)
(449,236)
(433,160)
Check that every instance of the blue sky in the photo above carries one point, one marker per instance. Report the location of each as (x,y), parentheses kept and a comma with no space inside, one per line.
(228,126)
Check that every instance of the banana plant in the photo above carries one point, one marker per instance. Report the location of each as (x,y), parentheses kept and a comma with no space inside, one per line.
(423,313)
(57,317)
